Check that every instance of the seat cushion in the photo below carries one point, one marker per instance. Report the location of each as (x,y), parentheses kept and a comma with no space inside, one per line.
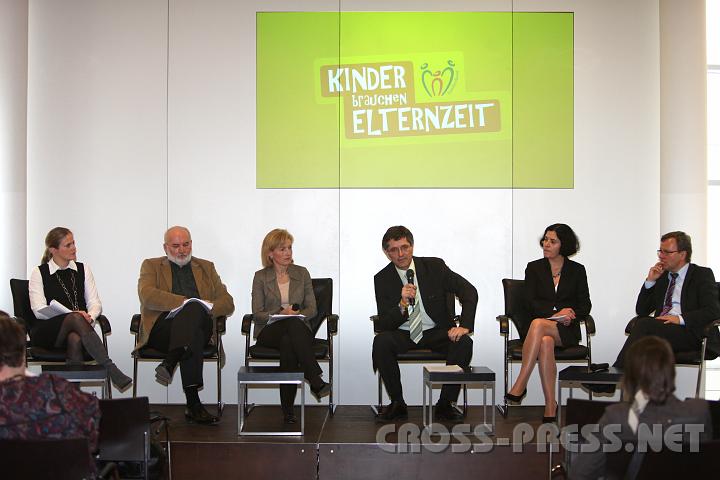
(688,358)
(420,355)
(40,354)
(320,348)
(576,352)
(148,353)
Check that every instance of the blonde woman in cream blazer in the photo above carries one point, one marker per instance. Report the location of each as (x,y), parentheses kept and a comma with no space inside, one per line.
(283,288)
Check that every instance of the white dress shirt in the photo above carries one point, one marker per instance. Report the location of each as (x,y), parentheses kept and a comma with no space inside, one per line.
(37,291)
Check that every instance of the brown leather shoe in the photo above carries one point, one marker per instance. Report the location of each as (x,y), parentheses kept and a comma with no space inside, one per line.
(197,414)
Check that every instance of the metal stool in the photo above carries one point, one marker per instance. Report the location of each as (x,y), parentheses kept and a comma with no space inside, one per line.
(268,376)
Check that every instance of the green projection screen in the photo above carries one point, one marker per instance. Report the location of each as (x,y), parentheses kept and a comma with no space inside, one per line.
(414,100)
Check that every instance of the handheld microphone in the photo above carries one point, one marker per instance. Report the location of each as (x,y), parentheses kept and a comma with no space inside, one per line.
(411,280)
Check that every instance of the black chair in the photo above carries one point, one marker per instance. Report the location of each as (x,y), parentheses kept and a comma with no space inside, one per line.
(213,352)
(578,412)
(124,435)
(40,355)
(676,462)
(694,358)
(419,355)
(516,311)
(62,459)
(323,348)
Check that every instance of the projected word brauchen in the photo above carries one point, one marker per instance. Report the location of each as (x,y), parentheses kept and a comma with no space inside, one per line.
(379,101)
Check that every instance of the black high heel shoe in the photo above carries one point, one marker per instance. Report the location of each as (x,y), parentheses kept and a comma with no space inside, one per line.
(515,398)
(552,419)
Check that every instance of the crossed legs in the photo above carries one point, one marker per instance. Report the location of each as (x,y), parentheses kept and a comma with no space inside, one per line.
(539,346)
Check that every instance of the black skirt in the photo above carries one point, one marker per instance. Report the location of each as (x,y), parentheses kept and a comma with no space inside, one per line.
(45,332)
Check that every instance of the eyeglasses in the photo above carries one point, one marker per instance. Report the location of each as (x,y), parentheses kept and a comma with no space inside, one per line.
(666,252)
(396,250)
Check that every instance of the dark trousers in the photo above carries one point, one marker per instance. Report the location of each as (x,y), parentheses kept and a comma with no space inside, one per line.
(294,340)
(387,345)
(680,338)
(191,329)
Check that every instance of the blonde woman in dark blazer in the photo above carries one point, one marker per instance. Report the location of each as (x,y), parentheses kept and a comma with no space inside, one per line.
(283,288)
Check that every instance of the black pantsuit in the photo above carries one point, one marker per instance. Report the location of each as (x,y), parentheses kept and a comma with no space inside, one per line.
(294,341)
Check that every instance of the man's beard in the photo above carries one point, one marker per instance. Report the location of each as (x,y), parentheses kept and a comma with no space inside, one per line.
(180,262)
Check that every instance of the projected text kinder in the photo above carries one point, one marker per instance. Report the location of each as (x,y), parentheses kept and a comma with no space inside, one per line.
(379,101)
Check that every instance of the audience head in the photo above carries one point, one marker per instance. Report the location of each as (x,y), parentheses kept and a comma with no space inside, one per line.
(178,245)
(397,243)
(569,243)
(59,241)
(277,248)
(679,250)
(12,344)
(650,367)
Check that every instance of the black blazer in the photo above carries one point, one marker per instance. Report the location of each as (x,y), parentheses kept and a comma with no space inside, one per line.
(698,301)
(436,280)
(542,299)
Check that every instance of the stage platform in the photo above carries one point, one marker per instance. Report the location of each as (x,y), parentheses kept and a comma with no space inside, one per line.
(351,445)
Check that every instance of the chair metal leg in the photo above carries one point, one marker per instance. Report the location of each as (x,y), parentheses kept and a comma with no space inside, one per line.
(135,368)
(219,388)
(503,408)
(331,402)
(701,368)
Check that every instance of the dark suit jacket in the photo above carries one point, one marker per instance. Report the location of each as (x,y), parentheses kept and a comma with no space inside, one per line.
(266,295)
(436,280)
(698,301)
(543,301)
(672,412)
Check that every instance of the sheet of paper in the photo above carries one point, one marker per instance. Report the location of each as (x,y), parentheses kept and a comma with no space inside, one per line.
(54,309)
(208,306)
(557,317)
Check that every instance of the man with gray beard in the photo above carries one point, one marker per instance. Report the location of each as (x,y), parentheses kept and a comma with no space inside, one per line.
(178,327)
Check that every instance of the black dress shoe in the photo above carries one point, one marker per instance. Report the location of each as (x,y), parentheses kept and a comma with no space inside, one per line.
(446,412)
(515,398)
(197,414)
(393,412)
(552,419)
(289,419)
(321,392)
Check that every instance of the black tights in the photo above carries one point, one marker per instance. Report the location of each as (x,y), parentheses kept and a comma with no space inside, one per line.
(73,327)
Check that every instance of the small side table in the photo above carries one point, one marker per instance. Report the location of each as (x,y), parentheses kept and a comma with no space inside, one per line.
(570,377)
(474,376)
(81,374)
(268,376)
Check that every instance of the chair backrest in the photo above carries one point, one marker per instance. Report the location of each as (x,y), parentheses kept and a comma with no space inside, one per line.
(584,412)
(714,407)
(21,302)
(59,459)
(323,288)
(124,430)
(516,307)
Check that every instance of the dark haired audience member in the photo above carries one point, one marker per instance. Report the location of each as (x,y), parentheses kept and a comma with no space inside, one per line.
(650,408)
(557,295)
(40,407)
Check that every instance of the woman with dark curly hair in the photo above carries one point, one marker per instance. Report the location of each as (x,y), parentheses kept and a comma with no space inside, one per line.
(557,295)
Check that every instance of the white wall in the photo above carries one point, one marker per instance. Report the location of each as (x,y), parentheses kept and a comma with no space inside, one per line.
(101,148)
(13,135)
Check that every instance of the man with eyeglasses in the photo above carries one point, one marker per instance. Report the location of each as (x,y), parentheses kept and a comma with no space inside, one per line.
(413,312)
(682,296)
